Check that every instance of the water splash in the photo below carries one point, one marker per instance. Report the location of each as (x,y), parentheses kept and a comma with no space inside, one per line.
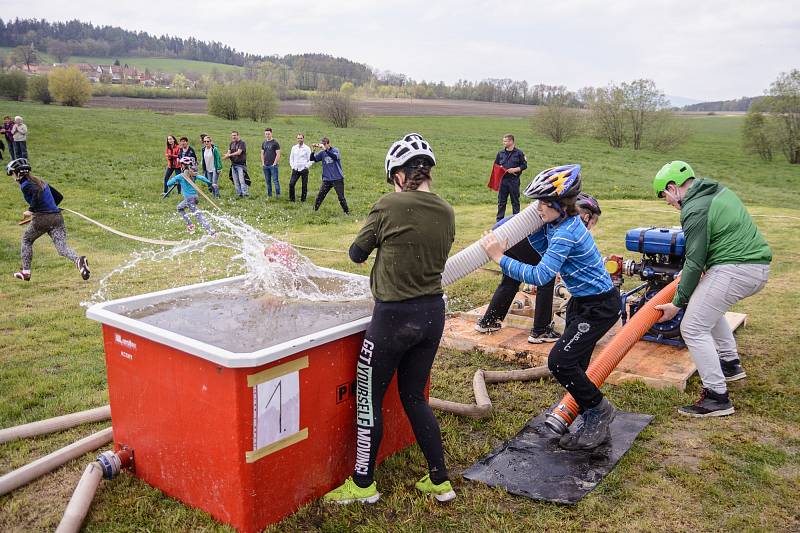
(282,271)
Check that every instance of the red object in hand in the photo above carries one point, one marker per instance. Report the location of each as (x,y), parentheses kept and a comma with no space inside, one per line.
(496,176)
(282,253)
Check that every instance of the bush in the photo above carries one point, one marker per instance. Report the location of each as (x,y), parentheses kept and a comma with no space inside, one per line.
(13,85)
(222,102)
(662,132)
(756,137)
(556,121)
(336,108)
(38,89)
(69,86)
(256,101)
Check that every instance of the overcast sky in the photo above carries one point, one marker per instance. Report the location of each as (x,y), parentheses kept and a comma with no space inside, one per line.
(706,50)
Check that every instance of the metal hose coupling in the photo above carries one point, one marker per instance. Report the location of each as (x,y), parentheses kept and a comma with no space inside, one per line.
(113,462)
(559,419)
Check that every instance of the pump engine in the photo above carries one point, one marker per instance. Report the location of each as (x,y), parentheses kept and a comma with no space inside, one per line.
(663,251)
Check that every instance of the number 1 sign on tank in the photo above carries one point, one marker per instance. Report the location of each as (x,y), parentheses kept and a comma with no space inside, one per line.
(276,408)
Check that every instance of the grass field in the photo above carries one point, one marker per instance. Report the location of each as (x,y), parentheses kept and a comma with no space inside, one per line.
(738,473)
(156,64)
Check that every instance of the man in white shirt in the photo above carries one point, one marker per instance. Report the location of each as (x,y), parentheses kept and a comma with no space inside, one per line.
(300,161)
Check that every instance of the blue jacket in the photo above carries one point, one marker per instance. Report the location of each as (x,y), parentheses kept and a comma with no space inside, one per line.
(331,164)
(186,187)
(568,249)
(39,201)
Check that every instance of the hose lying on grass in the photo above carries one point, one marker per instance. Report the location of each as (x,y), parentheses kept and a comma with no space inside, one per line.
(483,404)
(58,423)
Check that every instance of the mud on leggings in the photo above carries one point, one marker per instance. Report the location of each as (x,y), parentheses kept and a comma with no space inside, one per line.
(503,296)
(403,337)
(588,319)
(53,225)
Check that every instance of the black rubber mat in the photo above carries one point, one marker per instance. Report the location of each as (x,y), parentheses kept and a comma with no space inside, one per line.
(533,465)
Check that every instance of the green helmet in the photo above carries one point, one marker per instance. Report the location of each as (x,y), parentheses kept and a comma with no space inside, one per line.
(675,171)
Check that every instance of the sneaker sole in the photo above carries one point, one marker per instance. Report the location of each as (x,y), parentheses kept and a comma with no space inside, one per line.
(721,412)
(481,329)
(737,377)
(371,499)
(445,497)
(535,340)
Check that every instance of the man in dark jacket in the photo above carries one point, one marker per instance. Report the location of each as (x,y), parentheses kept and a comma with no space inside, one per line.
(332,175)
(723,242)
(513,160)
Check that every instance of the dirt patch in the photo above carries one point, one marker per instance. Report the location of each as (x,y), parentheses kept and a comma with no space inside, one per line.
(686,449)
(372,106)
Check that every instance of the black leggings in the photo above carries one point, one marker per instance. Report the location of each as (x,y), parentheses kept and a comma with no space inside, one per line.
(588,319)
(504,294)
(402,337)
(338,186)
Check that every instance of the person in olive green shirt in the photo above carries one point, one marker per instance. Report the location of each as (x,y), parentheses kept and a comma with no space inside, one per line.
(723,242)
(413,230)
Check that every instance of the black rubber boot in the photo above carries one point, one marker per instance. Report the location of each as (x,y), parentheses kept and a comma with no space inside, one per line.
(595,430)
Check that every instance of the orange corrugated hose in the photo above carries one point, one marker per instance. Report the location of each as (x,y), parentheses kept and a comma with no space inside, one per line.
(602,365)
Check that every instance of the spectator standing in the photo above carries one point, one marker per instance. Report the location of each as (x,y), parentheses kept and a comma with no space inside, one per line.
(237,153)
(300,161)
(20,133)
(186,150)
(5,129)
(270,157)
(172,153)
(332,175)
(513,160)
(212,164)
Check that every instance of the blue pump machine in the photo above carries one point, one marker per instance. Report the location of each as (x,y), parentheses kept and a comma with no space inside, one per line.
(663,251)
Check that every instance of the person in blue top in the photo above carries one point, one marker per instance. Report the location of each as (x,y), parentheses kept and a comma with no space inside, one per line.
(186,181)
(567,248)
(332,175)
(44,216)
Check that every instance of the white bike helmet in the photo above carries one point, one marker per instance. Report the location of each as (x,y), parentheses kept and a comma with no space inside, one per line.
(410,146)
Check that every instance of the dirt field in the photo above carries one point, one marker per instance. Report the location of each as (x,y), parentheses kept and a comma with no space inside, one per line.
(376,106)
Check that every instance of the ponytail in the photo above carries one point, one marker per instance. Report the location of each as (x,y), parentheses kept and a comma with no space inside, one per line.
(416,176)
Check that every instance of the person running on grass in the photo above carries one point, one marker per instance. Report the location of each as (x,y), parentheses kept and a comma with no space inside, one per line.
(543,330)
(45,218)
(187,180)
(413,230)
(567,247)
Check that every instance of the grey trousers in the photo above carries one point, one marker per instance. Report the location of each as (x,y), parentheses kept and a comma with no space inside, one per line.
(704,328)
(53,225)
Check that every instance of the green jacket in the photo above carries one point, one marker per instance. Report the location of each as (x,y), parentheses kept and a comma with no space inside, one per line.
(217,159)
(718,231)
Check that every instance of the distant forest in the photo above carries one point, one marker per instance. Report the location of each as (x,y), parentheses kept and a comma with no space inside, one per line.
(741,104)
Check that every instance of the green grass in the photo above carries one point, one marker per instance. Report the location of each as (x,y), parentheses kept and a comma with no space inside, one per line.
(155,64)
(739,473)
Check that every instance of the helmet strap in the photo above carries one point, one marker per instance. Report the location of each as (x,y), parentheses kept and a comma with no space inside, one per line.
(557,205)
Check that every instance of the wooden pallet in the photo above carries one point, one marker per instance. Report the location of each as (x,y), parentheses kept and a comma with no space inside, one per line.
(657,365)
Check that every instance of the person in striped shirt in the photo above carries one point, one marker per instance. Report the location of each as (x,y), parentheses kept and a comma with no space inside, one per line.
(567,248)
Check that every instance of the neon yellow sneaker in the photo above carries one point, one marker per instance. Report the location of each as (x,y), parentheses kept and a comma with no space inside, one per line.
(349,492)
(443,492)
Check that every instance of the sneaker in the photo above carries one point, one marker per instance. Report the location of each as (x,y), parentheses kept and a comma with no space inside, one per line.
(349,492)
(83,267)
(23,276)
(548,335)
(710,404)
(487,327)
(443,492)
(732,370)
(190,228)
(595,430)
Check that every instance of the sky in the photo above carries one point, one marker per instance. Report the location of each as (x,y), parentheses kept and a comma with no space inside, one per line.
(699,49)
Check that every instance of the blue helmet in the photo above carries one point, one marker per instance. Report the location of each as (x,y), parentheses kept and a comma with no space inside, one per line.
(556,182)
